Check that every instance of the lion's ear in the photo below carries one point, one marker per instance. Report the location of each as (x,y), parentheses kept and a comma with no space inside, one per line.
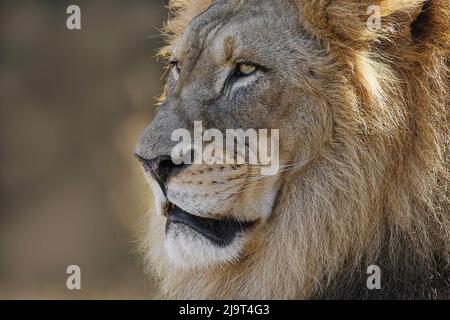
(356,23)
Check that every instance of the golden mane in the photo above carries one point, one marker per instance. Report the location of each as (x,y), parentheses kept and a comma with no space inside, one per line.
(394,124)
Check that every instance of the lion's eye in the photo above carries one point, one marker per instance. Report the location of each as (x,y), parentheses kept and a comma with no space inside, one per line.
(175,64)
(245,69)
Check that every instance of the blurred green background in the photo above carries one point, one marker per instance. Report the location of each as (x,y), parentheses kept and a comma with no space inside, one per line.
(72,106)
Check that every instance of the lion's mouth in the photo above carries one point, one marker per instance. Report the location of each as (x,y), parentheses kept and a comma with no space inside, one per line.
(220,232)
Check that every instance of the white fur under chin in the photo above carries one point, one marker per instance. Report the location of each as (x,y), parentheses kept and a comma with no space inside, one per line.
(188,249)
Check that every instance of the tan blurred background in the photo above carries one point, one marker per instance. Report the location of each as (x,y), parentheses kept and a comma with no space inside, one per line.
(72,106)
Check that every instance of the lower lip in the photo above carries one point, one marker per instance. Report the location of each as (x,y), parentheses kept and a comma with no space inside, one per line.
(219,232)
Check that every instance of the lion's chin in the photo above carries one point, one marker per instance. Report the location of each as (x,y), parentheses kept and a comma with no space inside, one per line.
(193,242)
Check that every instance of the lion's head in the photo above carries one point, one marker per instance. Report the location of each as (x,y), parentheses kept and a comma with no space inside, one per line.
(362,115)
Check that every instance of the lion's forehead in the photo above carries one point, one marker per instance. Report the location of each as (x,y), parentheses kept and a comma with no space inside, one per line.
(226,30)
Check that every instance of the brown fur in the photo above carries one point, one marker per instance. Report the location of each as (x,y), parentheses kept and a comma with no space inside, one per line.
(388,160)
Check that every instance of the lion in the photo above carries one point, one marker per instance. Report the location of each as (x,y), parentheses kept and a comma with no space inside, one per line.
(363,117)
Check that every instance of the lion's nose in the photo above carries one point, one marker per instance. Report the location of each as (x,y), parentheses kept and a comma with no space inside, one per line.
(160,167)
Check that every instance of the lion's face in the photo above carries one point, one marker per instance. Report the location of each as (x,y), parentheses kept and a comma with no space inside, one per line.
(250,70)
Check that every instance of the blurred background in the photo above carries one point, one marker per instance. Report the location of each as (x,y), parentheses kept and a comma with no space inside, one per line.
(73,104)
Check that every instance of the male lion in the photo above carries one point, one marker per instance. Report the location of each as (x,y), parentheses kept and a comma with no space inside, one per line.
(362,113)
